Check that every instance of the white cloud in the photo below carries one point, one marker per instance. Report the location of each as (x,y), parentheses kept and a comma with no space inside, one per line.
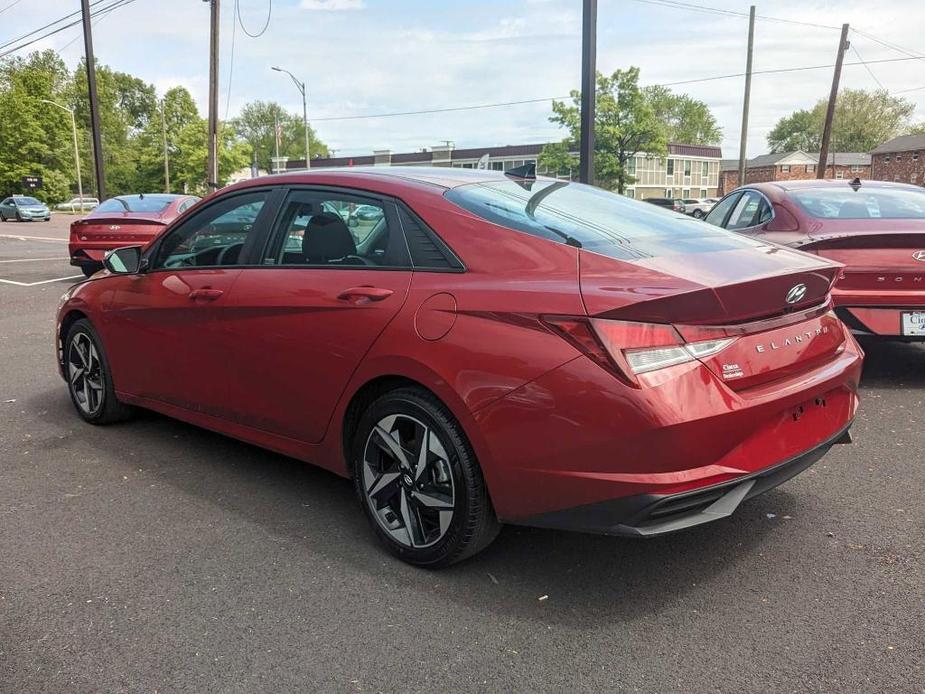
(332,5)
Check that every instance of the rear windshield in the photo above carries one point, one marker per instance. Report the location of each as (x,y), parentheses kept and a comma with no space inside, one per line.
(876,203)
(134,203)
(591,218)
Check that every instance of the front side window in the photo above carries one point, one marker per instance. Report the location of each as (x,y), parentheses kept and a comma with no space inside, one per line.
(876,203)
(214,236)
(336,230)
(590,218)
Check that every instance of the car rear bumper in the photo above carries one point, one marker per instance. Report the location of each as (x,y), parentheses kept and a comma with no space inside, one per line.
(575,438)
(88,257)
(651,515)
(884,321)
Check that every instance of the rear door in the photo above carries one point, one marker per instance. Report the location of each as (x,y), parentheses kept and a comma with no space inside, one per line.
(297,326)
(160,326)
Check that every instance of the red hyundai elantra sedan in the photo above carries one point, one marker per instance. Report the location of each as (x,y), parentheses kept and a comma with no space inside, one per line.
(876,229)
(122,221)
(486,348)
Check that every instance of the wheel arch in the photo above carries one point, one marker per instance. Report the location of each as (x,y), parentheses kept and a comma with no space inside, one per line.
(64,326)
(372,386)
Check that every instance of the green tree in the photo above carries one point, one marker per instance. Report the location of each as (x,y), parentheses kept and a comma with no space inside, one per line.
(863,120)
(625,124)
(35,138)
(256,125)
(918,129)
(686,120)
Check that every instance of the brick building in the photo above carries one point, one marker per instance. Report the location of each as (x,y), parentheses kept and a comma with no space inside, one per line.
(687,170)
(789,166)
(902,159)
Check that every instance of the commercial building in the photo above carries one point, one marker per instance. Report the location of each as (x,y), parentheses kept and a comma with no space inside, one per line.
(789,166)
(901,159)
(687,170)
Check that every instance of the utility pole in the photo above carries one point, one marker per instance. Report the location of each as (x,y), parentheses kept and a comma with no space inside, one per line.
(830,111)
(588,90)
(94,102)
(212,173)
(164,134)
(748,94)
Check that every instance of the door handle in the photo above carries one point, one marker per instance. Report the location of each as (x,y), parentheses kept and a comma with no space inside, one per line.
(365,294)
(205,294)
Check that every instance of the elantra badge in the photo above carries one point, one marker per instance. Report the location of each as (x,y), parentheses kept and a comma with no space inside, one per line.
(919,255)
(796,293)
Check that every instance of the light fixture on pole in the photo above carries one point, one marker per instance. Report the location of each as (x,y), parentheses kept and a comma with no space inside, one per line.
(80,188)
(301,87)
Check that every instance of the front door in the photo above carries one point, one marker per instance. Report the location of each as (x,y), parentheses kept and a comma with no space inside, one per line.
(334,274)
(160,326)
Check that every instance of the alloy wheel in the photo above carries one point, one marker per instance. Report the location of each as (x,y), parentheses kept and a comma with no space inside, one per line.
(408,481)
(84,373)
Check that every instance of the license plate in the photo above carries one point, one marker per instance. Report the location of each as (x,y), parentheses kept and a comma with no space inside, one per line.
(914,323)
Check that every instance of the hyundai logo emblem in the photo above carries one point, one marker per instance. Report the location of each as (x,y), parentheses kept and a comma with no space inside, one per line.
(919,255)
(796,293)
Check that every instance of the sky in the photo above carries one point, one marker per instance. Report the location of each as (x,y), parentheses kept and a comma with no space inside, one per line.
(362,57)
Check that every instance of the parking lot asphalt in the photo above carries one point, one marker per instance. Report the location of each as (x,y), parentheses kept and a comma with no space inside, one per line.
(153,556)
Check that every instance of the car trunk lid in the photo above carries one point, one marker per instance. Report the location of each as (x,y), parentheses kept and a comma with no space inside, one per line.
(771,301)
(876,259)
(120,230)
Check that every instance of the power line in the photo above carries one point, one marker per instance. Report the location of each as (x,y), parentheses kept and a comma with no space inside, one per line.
(677,4)
(10,6)
(237,12)
(887,44)
(115,5)
(552,98)
(867,67)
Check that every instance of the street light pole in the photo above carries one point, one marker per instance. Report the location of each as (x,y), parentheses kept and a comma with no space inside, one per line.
(80,188)
(301,87)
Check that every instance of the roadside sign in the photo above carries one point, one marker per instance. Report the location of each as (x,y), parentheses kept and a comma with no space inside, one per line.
(32,182)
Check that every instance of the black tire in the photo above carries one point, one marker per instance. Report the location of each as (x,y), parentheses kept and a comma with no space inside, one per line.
(106,409)
(698,214)
(18,216)
(473,525)
(89,270)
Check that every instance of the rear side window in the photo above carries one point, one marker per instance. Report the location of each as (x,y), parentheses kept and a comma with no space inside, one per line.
(333,229)
(876,203)
(718,214)
(591,218)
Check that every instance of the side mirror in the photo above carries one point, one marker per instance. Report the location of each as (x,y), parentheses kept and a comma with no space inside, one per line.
(124,261)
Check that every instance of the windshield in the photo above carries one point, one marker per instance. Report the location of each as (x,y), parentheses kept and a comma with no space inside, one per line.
(28,201)
(136,203)
(591,218)
(876,203)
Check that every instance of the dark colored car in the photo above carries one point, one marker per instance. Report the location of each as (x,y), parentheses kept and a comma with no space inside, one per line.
(494,349)
(876,229)
(124,220)
(672,204)
(23,208)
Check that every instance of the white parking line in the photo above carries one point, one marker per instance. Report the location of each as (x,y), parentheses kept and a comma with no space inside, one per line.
(31,260)
(20,237)
(32,284)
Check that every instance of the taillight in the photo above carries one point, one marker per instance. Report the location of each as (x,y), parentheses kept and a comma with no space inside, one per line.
(628,349)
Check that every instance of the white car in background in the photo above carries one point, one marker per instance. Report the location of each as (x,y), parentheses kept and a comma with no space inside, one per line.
(698,207)
(78,205)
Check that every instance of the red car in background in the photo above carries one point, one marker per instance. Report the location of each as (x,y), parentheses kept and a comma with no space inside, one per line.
(124,220)
(478,347)
(876,229)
